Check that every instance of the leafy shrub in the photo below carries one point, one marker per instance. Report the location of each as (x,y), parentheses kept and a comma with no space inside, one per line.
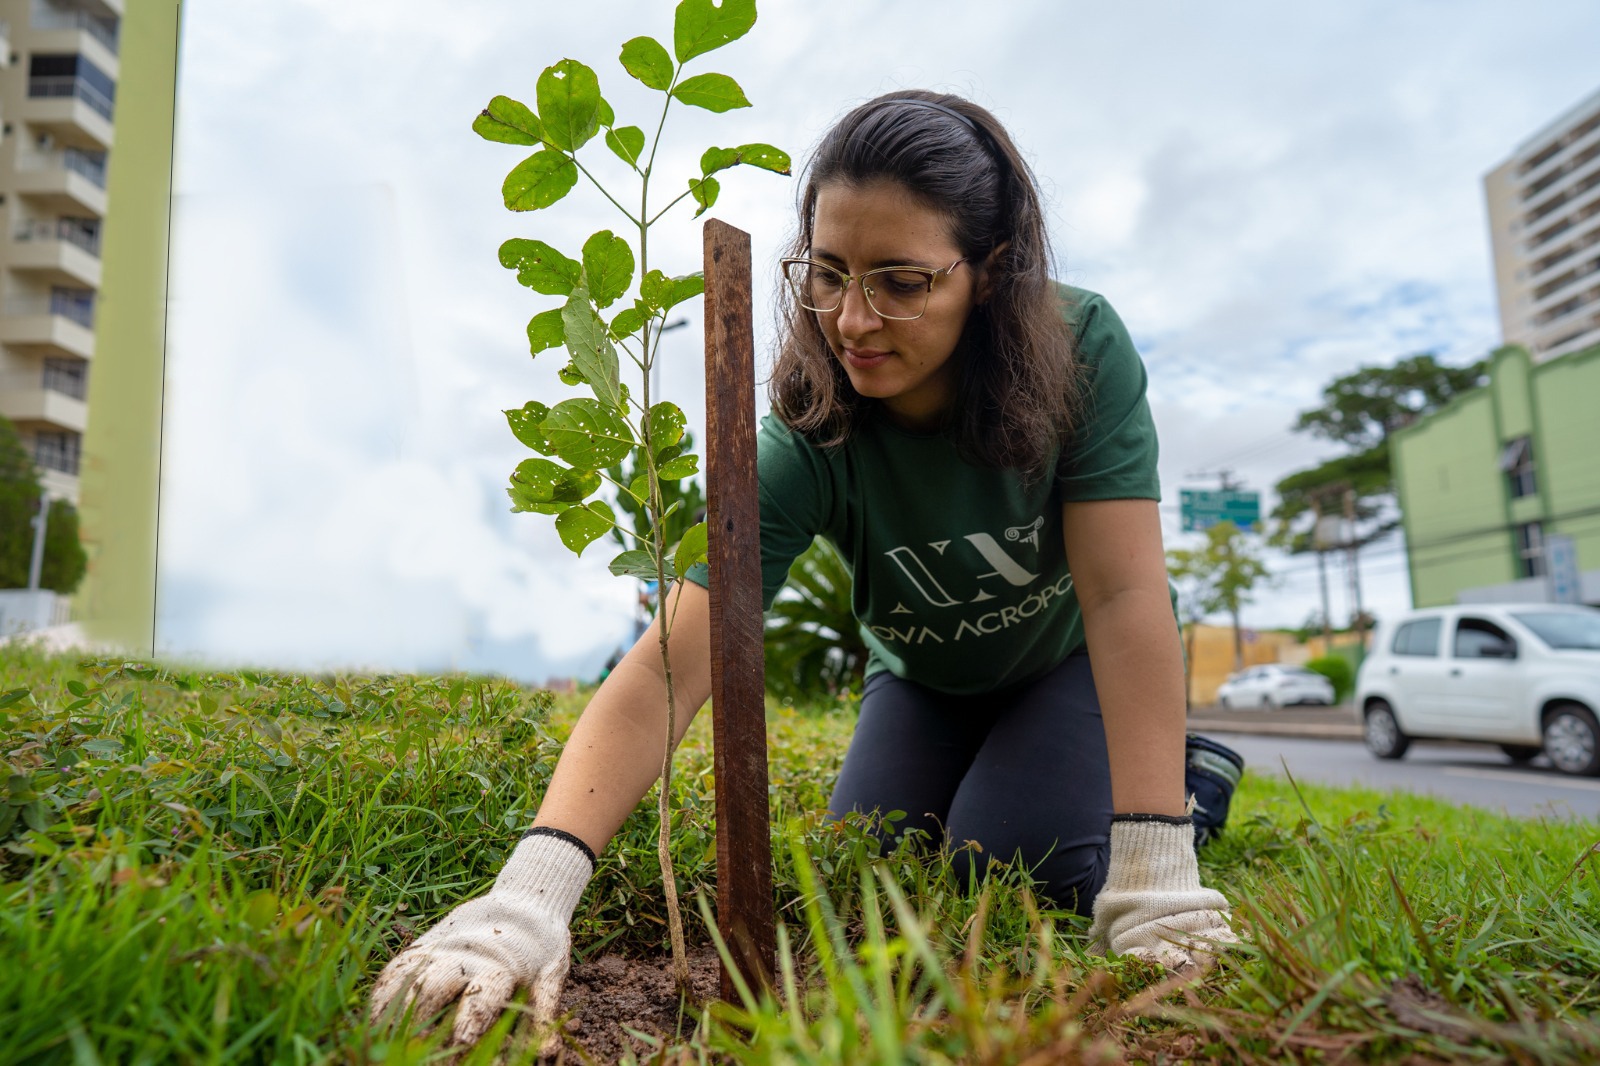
(1338,670)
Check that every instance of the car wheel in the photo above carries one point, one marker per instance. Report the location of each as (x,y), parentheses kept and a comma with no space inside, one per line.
(1268,703)
(1572,740)
(1521,753)
(1382,732)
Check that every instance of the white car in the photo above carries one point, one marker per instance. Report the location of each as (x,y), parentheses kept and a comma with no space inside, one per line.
(1525,677)
(1274,685)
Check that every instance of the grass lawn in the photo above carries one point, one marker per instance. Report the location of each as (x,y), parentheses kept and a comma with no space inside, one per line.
(204,867)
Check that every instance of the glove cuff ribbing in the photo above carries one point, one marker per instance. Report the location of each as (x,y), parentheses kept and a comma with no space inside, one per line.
(1150,854)
(549,869)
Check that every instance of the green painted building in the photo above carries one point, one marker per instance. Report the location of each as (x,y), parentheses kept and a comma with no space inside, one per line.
(1486,481)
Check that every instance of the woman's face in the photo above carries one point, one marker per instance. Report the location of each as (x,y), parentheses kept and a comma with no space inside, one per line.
(905,364)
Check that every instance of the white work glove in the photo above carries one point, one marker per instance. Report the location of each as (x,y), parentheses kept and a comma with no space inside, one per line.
(484,950)
(1153,905)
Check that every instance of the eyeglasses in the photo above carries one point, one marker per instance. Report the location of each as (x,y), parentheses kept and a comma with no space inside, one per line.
(896,292)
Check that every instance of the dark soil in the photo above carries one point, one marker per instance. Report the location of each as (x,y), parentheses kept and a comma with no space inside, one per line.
(606,996)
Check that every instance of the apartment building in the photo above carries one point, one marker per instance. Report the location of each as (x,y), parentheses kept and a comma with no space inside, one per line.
(1544,223)
(58,94)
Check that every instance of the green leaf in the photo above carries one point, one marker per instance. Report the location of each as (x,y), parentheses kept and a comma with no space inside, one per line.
(636,562)
(701,26)
(581,526)
(607,267)
(533,486)
(588,434)
(540,267)
(666,422)
(13,696)
(714,92)
(576,486)
(766,157)
(627,323)
(608,117)
(681,467)
(705,192)
(526,423)
(646,59)
(593,354)
(661,293)
(691,549)
(627,143)
(756,155)
(546,331)
(669,453)
(639,488)
(509,122)
(569,104)
(569,374)
(539,180)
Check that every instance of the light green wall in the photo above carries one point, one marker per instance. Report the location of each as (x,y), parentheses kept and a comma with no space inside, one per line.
(1455,500)
(121,462)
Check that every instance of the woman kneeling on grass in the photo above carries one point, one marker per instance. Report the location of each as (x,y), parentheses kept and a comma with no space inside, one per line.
(975,440)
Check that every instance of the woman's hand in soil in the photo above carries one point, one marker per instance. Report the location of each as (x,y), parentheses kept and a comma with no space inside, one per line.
(484,950)
(1153,905)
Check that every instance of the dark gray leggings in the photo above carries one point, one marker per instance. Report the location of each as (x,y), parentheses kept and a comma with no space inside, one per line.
(1023,771)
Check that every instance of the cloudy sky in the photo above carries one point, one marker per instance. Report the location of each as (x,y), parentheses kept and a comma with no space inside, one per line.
(1271,195)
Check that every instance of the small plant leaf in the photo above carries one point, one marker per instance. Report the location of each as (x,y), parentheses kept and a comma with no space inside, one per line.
(627,323)
(627,143)
(635,562)
(714,92)
(539,180)
(607,267)
(691,549)
(681,467)
(508,121)
(666,422)
(581,526)
(646,59)
(608,117)
(569,104)
(576,486)
(701,26)
(540,267)
(588,434)
(526,426)
(705,192)
(757,155)
(569,374)
(661,293)
(533,486)
(669,453)
(546,331)
(639,488)
(593,354)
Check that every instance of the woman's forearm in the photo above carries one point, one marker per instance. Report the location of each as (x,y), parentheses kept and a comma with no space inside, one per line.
(1136,654)
(614,753)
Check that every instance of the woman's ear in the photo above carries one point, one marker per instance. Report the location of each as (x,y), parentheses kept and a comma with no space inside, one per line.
(986,271)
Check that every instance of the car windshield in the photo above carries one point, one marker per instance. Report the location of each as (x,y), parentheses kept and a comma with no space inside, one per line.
(1564,630)
(1300,671)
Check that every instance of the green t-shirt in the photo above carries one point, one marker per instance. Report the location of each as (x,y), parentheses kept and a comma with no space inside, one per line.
(961,580)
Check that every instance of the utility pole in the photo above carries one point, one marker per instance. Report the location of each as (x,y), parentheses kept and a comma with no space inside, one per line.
(1352,543)
(1318,542)
(36,565)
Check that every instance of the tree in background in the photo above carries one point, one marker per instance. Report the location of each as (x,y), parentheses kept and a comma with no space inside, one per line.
(64,558)
(1219,576)
(1360,410)
(813,644)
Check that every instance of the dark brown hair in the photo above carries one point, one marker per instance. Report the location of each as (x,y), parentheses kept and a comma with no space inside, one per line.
(1018,390)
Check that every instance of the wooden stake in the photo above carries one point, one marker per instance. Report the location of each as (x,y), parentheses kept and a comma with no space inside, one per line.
(738,704)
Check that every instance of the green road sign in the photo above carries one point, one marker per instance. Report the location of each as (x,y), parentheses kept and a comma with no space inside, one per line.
(1202,509)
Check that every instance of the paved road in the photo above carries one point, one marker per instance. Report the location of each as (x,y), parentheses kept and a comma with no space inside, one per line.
(1462,773)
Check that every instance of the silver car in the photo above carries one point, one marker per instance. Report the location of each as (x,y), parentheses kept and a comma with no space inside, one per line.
(1523,676)
(1274,685)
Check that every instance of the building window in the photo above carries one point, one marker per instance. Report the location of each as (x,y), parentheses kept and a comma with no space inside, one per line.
(1530,549)
(69,377)
(57,451)
(72,75)
(1517,461)
(74,304)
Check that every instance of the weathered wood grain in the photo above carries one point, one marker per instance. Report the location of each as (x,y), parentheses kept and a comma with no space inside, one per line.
(744,850)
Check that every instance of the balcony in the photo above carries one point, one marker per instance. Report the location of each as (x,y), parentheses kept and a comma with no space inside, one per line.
(58,451)
(68,182)
(49,19)
(56,325)
(29,399)
(64,253)
(70,106)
